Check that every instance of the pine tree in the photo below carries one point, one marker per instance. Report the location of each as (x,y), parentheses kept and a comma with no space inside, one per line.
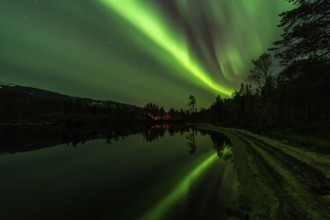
(306,31)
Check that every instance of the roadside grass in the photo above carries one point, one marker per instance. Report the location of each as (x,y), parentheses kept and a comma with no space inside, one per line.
(315,138)
(309,142)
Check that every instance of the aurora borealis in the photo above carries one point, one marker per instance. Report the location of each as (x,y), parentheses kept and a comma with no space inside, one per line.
(135,51)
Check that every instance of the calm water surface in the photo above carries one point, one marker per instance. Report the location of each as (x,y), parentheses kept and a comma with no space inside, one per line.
(154,173)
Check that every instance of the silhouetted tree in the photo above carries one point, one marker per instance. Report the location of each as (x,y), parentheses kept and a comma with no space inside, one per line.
(303,51)
(306,30)
(262,69)
(218,110)
(192,103)
(162,112)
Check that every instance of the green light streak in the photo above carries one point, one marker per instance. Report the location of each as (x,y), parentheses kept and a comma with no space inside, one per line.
(150,25)
(179,191)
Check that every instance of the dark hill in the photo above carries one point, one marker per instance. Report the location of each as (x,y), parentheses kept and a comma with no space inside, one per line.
(19,104)
(30,92)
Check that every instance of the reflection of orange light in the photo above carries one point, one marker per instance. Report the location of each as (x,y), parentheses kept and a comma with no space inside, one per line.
(157,117)
(161,126)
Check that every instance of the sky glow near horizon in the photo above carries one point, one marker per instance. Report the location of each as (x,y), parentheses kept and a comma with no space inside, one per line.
(135,51)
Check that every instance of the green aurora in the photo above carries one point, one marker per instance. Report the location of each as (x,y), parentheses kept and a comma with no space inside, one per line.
(135,51)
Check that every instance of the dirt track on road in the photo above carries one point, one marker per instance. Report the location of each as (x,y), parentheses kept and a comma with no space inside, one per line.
(277,181)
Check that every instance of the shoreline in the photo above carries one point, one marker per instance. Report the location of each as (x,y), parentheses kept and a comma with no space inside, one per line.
(276,181)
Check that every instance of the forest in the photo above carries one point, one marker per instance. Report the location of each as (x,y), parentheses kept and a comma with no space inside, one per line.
(289,89)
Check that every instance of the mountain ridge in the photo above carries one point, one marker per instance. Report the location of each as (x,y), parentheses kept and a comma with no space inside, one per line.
(42,93)
(29,104)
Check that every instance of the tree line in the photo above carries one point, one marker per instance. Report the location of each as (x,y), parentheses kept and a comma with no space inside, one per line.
(288,85)
(290,88)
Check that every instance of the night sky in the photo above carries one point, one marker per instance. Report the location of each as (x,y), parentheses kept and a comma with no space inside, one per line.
(135,51)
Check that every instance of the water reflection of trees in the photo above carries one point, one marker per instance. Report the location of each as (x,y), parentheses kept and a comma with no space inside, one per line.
(152,133)
(222,146)
(191,139)
(30,137)
(111,134)
(191,142)
(221,143)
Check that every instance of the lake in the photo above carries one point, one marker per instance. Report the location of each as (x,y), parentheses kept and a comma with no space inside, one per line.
(153,172)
